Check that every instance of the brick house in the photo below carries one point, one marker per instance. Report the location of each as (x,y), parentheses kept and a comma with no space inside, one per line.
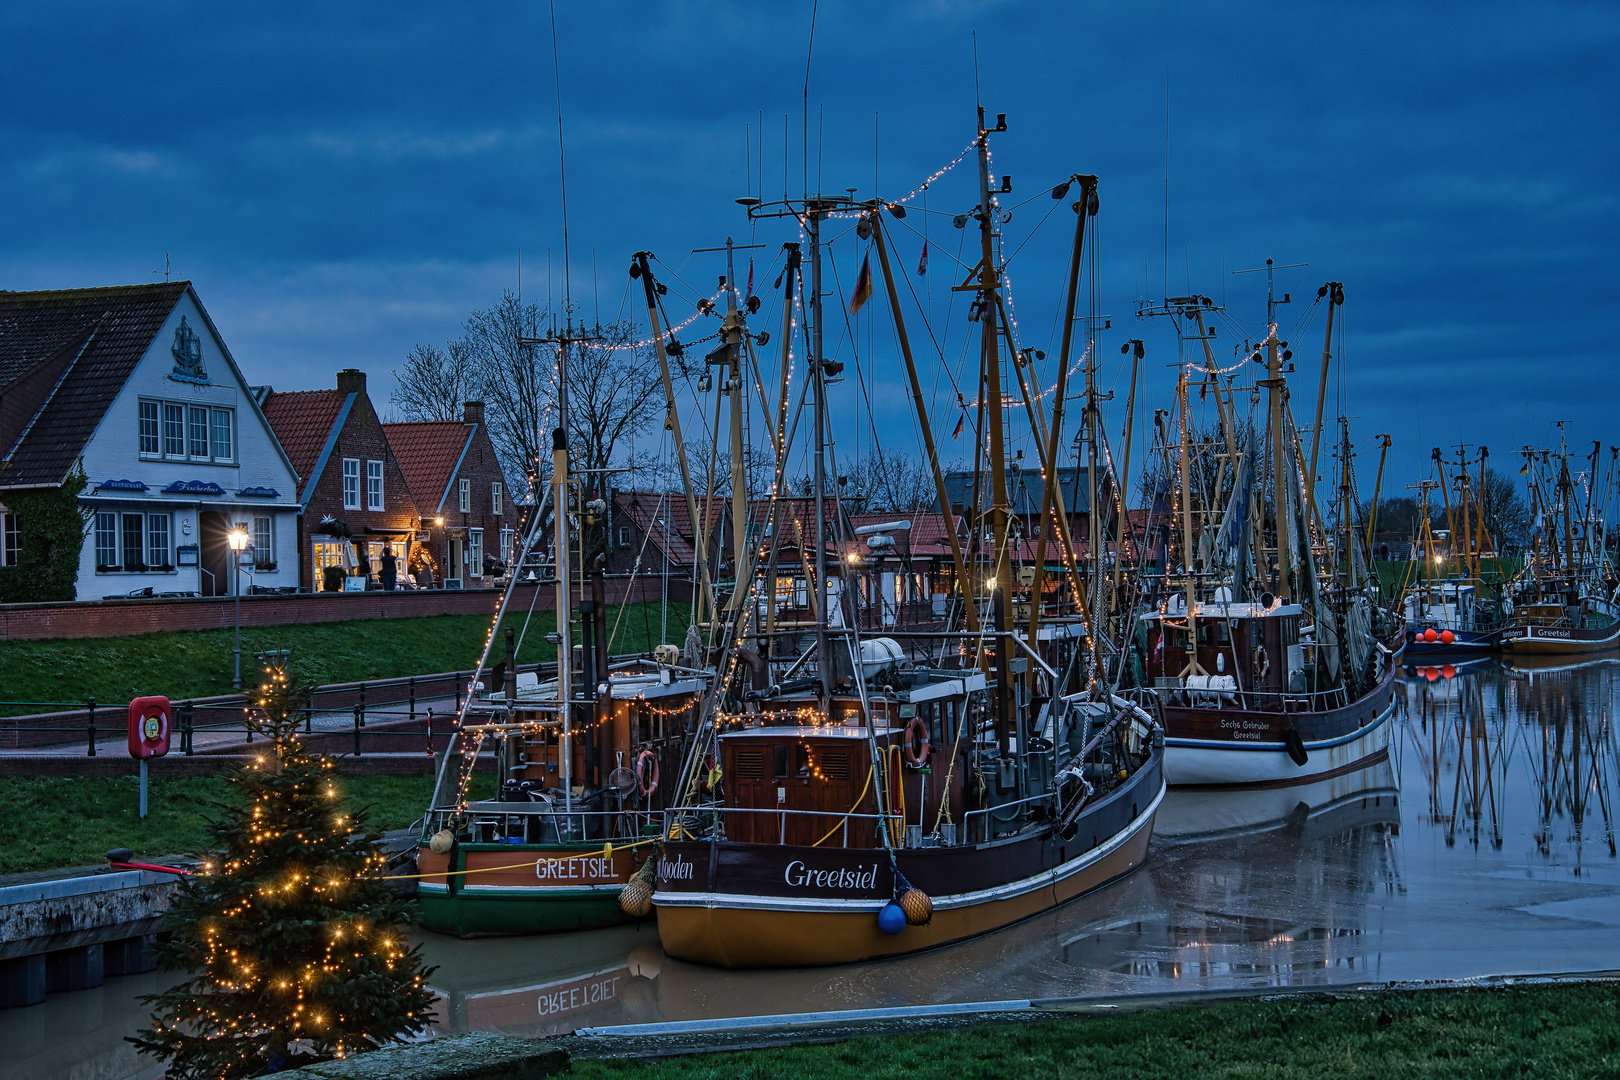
(349,474)
(468,515)
(134,386)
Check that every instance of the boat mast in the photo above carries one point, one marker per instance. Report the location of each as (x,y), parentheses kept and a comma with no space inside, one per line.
(812,221)
(1278,388)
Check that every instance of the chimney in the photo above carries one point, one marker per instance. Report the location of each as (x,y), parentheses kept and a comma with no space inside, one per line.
(351,381)
(473,412)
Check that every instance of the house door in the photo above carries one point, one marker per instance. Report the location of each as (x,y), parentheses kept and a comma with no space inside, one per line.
(453,567)
(215,553)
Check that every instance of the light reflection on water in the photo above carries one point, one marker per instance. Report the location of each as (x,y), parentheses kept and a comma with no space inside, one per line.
(1485,844)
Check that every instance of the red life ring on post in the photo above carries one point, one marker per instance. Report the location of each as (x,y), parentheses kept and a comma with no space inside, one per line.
(647,773)
(916,745)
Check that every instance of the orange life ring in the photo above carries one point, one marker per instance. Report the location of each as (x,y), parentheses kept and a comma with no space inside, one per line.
(915,744)
(1261,663)
(647,773)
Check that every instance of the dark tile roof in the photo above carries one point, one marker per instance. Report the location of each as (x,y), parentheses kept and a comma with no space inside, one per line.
(110,329)
(302,420)
(650,509)
(427,452)
(1025,489)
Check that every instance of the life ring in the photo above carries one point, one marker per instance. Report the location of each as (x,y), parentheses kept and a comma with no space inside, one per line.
(1261,663)
(647,773)
(915,745)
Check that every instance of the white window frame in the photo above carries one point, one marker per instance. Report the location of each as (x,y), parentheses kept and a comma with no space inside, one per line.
(351,483)
(374,485)
(166,430)
(464,496)
(154,447)
(174,430)
(475,552)
(193,414)
(507,553)
(156,557)
(10,538)
(107,528)
(215,427)
(264,542)
(495,498)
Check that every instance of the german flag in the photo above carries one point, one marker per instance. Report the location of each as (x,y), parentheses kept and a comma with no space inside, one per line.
(863,286)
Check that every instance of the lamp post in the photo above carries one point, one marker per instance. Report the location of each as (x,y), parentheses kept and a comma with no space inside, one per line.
(238,539)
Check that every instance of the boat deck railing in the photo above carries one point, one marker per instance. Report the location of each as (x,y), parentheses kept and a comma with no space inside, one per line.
(1274,701)
(544,823)
(693,823)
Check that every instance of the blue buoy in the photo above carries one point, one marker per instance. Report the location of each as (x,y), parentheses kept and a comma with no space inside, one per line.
(891,920)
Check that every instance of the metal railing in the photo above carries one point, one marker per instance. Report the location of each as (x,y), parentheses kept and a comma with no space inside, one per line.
(542,823)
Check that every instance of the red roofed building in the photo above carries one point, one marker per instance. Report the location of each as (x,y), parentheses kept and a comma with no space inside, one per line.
(350,483)
(466,506)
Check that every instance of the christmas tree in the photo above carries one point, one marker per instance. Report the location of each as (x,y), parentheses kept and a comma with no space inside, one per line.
(297,950)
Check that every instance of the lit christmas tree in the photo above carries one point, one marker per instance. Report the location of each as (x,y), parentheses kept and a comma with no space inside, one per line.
(298,951)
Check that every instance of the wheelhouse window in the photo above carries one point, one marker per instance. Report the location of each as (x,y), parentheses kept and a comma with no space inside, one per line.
(374,485)
(351,483)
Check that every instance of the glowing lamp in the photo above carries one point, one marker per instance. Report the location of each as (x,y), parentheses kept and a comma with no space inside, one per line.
(237,538)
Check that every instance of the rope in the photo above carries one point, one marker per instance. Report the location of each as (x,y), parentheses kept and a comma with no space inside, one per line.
(858,799)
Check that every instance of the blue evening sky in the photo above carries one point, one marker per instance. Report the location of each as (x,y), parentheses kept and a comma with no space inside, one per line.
(343,180)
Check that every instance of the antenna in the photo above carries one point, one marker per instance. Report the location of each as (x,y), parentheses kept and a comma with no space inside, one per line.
(562,181)
(809,50)
(1167,181)
(167,270)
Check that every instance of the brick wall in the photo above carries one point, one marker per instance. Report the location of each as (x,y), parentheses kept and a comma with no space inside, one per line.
(120,618)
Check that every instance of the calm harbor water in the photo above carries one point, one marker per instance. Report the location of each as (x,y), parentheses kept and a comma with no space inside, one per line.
(1484,845)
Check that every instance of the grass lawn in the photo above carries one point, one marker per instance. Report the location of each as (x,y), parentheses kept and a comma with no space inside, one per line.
(198,663)
(75,821)
(1542,1031)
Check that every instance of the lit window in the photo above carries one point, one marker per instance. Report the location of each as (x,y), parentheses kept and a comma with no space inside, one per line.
(351,483)
(157,541)
(475,551)
(174,430)
(324,553)
(107,540)
(465,491)
(222,435)
(495,499)
(374,489)
(150,443)
(198,431)
(264,543)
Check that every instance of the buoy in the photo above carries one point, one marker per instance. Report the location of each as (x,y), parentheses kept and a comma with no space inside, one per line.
(1448,671)
(1411,636)
(635,899)
(1447,636)
(891,920)
(919,909)
(441,841)
(1431,673)
(1430,634)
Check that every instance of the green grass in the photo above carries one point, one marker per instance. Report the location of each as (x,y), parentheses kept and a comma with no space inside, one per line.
(75,821)
(1544,1031)
(198,663)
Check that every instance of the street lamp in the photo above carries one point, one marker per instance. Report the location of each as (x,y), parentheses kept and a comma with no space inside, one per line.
(238,539)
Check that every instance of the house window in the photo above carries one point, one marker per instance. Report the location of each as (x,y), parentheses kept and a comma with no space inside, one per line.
(264,543)
(507,554)
(10,539)
(624,536)
(495,499)
(174,430)
(157,541)
(134,541)
(107,540)
(374,490)
(150,442)
(351,483)
(324,553)
(198,432)
(464,490)
(222,434)
(475,550)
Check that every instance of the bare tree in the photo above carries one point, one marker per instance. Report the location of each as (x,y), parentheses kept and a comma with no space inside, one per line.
(1505,515)
(615,393)
(517,381)
(435,381)
(893,482)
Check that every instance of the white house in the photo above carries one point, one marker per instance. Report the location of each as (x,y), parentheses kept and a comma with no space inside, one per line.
(134,386)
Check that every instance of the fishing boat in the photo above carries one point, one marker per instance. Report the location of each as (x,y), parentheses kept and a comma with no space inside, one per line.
(859,797)
(1457,615)
(1268,646)
(1566,602)
(1449,618)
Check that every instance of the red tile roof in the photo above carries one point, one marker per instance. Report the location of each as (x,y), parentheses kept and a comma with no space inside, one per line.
(648,510)
(427,451)
(302,420)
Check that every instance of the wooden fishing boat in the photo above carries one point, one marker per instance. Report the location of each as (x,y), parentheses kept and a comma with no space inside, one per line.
(869,798)
(1569,624)
(1448,618)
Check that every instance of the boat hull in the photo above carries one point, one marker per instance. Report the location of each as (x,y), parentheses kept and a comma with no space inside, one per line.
(522,889)
(1464,643)
(738,906)
(1557,641)
(1334,742)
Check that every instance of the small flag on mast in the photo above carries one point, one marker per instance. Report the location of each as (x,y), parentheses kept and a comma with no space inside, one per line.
(922,262)
(961,421)
(863,286)
(750,290)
